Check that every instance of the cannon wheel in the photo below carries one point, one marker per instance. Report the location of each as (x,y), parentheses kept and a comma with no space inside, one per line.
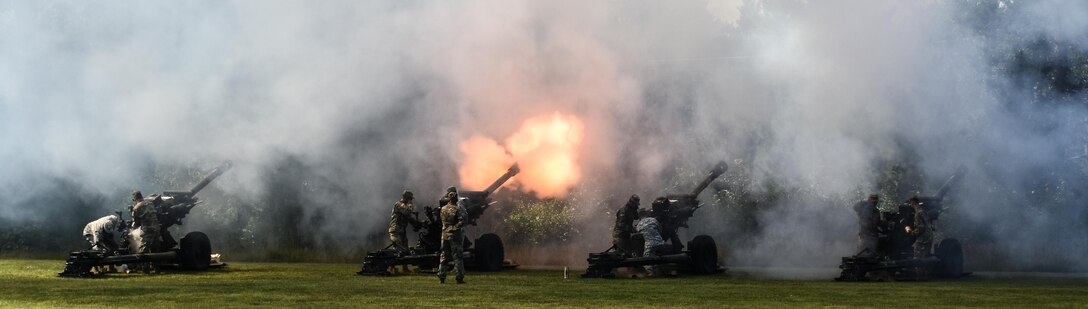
(704,255)
(196,251)
(950,253)
(489,252)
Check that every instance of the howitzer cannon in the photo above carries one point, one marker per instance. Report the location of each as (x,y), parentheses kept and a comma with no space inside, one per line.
(173,206)
(194,252)
(895,258)
(487,254)
(701,256)
(475,202)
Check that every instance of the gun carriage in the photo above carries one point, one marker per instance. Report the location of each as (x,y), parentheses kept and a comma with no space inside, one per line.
(895,258)
(193,252)
(485,254)
(701,256)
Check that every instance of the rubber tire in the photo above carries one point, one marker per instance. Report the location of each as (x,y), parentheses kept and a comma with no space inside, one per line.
(489,252)
(195,252)
(704,255)
(950,254)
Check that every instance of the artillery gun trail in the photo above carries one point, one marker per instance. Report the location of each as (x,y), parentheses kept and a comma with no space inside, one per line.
(487,254)
(895,258)
(701,256)
(194,252)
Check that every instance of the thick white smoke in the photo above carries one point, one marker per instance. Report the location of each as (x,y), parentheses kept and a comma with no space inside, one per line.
(330,109)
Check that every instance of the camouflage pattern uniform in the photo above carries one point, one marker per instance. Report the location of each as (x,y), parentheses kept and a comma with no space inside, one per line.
(651,232)
(625,225)
(922,231)
(403,214)
(868,226)
(654,245)
(100,233)
(146,218)
(453,221)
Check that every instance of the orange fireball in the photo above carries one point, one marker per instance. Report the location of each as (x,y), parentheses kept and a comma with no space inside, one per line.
(546,148)
(485,160)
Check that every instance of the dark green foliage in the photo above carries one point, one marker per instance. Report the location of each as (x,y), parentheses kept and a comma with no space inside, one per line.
(536,222)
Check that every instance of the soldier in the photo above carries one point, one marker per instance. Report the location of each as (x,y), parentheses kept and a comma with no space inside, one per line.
(403,214)
(625,225)
(921,228)
(650,229)
(453,221)
(146,223)
(868,226)
(100,234)
(145,219)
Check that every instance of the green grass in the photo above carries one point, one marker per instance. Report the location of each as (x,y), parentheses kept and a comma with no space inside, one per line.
(33,283)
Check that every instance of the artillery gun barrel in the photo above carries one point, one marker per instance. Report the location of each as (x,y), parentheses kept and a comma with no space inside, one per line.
(514,170)
(219,170)
(952,181)
(718,170)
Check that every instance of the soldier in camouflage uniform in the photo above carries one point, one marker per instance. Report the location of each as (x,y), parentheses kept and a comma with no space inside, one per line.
(145,218)
(921,229)
(100,233)
(453,221)
(868,226)
(403,214)
(650,228)
(625,225)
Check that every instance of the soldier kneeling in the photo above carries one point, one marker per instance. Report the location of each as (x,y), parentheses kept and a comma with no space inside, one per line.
(650,228)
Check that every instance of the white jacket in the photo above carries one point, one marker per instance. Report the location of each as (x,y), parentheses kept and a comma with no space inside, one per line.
(101,226)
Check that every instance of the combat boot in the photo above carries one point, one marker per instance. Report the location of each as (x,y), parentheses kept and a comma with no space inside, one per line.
(460,280)
(441,280)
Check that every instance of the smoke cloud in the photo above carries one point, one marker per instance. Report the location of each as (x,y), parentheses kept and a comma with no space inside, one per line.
(329,110)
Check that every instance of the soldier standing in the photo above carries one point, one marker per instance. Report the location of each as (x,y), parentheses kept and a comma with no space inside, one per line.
(145,218)
(453,221)
(920,229)
(625,225)
(403,214)
(868,226)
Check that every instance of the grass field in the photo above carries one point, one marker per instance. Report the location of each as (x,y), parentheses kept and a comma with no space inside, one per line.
(33,283)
